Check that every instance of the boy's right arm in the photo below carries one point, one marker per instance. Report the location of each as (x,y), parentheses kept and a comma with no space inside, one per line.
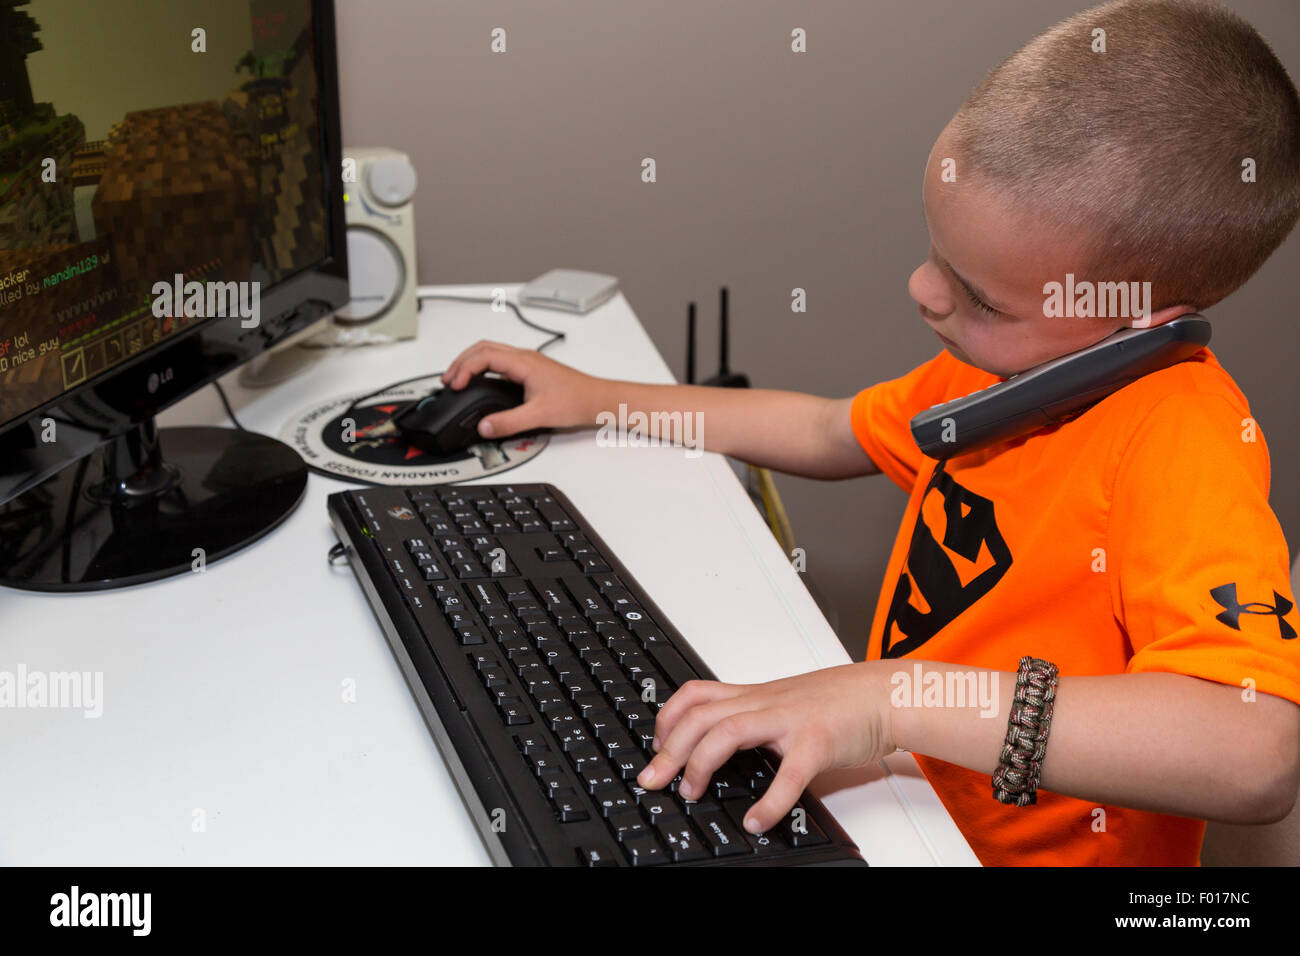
(786,431)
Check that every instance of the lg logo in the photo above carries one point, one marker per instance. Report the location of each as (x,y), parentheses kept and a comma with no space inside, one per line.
(156,379)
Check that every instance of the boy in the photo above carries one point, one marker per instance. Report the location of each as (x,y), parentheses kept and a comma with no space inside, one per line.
(1132,546)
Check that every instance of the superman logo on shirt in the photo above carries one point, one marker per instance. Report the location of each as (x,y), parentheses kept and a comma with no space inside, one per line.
(931,592)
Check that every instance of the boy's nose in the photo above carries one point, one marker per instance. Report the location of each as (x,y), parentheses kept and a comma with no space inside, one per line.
(927,286)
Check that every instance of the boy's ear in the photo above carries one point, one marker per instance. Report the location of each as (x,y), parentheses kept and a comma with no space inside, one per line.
(1160,318)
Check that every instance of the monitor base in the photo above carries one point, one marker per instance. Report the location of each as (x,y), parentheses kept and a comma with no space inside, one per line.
(153,504)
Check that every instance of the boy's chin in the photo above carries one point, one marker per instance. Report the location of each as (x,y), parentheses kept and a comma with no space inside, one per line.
(956,352)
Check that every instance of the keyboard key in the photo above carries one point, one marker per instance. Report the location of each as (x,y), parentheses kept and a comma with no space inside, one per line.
(619,598)
(586,757)
(636,714)
(531,619)
(551,594)
(597,777)
(597,855)
(606,582)
(644,851)
(470,635)
(629,766)
(720,835)
(760,843)
(757,774)
(617,744)
(622,694)
(727,783)
(655,803)
(505,629)
(628,826)
(649,635)
(547,761)
(568,805)
(563,720)
(486,596)
(530,744)
(466,570)
(517,646)
(512,709)
(809,835)
(681,840)
(613,800)
(554,516)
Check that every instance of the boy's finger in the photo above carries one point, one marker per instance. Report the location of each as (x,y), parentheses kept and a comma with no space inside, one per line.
(485,357)
(689,695)
(510,422)
(751,728)
(793,775)
(454,368)
(677,746)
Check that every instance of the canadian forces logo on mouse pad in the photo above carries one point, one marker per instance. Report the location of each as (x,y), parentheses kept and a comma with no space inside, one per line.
(361,444)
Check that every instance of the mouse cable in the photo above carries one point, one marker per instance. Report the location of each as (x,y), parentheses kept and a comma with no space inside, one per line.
(555,336)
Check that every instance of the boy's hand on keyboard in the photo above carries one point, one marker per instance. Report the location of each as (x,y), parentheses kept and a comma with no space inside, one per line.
(838,717)
(555,396)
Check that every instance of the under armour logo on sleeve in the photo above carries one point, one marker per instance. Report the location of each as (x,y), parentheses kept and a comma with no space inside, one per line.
(1226,596)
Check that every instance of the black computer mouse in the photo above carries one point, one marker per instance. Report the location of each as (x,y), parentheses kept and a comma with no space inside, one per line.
(446,421)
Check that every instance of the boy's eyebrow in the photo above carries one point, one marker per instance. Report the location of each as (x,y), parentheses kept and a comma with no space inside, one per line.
(968,286)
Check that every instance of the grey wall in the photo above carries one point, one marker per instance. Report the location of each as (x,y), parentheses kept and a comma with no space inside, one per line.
(775,170)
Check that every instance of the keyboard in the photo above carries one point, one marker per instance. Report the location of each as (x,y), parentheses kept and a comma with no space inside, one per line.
(539,664)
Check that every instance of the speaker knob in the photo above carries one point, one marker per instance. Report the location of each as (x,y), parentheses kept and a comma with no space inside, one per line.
(391,180)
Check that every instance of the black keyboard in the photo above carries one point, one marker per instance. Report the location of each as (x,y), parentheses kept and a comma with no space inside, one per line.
(539,665)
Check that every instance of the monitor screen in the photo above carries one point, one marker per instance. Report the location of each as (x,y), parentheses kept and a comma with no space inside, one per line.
(161,165)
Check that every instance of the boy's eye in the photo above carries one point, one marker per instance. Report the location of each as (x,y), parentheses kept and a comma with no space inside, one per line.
(974,299)
(978,303)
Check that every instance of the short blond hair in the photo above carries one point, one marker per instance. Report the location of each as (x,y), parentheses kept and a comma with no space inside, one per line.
(1142,148)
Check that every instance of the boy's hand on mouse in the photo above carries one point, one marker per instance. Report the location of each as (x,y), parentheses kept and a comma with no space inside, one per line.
(838,717)
(555,396)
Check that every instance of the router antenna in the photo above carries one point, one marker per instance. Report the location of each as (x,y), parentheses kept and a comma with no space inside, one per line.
(723,349)
(690,344)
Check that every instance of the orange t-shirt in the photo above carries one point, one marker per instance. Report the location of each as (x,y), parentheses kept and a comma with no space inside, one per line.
(1135,537)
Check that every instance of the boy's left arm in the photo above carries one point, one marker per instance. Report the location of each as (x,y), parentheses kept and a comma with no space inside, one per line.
(1168,743)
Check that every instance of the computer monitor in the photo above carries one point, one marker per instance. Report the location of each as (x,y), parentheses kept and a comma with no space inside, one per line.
(170,207)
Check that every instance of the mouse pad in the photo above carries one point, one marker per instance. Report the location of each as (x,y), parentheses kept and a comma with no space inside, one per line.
(368,449)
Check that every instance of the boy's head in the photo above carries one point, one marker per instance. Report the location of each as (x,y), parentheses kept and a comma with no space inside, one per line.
(1164,150)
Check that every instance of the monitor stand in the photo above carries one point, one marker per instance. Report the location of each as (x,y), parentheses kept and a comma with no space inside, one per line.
(151,504)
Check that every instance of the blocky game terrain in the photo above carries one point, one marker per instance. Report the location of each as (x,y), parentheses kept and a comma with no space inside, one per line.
(212,190)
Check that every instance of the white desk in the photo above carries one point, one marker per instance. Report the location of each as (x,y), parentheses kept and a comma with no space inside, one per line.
(223,691)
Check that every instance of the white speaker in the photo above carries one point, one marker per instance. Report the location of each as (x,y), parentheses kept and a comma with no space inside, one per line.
(378,187)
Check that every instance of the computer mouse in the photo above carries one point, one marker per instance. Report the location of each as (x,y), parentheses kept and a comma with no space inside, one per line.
(446,421)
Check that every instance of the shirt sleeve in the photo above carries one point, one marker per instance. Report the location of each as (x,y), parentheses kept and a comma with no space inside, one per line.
(881,415)
(1201,580)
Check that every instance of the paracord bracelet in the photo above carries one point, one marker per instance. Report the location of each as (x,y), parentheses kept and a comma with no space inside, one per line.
(1021,762)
